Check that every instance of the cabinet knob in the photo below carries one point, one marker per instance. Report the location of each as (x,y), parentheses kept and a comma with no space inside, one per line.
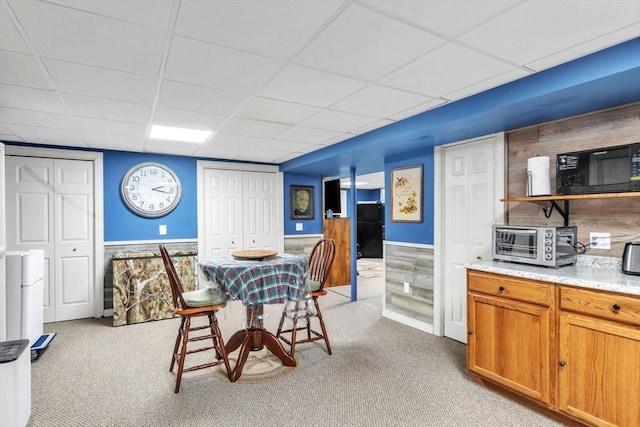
(615,307)
(469,332)
(562,363)
(501,288)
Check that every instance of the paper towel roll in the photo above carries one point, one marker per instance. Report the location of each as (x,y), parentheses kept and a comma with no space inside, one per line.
(538,180)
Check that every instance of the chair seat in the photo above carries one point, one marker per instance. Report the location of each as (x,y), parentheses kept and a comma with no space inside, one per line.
(313,285)
(205,297)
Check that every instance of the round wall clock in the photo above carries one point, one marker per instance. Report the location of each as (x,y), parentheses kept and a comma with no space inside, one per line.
(151,189)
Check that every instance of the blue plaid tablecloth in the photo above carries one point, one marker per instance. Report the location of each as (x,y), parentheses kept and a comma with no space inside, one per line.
(270,281)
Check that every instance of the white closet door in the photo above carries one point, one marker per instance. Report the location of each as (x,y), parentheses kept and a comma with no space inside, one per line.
(223,215)
(49,207)
(74,261)
(259,199)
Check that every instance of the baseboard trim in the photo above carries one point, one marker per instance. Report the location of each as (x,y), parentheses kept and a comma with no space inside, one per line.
(422,326)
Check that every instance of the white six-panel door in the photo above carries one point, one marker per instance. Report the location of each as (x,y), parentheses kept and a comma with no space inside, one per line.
(472,189)
(49,207)
(240,211)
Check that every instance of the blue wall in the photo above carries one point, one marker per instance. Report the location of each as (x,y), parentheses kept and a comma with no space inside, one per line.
(310,226)
(120,224)
(413,232)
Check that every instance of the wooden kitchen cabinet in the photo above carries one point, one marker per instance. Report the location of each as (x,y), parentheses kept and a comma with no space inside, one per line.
(511,336)
(571,350)
(599,357)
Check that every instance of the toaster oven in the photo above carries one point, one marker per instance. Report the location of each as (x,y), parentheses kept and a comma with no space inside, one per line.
(537,245)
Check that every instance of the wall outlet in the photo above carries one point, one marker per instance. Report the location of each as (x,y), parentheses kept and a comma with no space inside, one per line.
(600,240)
(407,288)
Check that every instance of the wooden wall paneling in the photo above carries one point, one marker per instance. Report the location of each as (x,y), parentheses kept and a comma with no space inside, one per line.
(606,128)
(339,229)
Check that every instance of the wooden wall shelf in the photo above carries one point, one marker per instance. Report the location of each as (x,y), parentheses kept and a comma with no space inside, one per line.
(571,197)
(564,212)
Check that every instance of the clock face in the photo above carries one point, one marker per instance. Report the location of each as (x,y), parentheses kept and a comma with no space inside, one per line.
(151,189)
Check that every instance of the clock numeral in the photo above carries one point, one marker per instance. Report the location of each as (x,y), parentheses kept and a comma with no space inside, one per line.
(168,199)
(135,178)
(151,207)
(161,205)
(132,187)
(134,197)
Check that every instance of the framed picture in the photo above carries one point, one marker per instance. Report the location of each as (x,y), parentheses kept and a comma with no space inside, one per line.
(406,194)
(302,198)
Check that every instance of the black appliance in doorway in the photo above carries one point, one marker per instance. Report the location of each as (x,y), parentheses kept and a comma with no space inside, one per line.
(370,232)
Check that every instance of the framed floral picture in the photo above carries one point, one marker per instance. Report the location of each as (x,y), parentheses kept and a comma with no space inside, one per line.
(302,197)
(406,194)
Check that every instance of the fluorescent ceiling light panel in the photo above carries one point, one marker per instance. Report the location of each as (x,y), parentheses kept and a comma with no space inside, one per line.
(179,134)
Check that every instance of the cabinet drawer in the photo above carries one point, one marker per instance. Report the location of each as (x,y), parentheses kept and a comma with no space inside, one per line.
(510,287)
(601,304)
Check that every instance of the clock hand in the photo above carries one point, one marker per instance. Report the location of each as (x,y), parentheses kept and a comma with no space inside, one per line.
(159,189)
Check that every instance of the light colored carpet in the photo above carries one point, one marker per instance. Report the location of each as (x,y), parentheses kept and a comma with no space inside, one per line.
(381,373)
(370,267)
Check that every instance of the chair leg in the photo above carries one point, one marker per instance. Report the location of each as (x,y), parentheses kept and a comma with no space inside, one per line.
(177,345)
(183,352)
(324,329)
(221,349)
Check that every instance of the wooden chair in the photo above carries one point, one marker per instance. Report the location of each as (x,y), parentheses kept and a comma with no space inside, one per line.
(188,305)
(319,264)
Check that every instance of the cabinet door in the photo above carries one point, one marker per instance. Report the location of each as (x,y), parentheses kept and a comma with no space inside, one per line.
(511,343)
(599,374)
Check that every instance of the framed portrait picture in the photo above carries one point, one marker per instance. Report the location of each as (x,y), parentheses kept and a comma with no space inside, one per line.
(406,194)
(302,198)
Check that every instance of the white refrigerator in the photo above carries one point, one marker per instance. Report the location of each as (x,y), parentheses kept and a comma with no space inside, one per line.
(25,294)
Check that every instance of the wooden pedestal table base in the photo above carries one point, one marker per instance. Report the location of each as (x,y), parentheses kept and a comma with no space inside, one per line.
(255,338)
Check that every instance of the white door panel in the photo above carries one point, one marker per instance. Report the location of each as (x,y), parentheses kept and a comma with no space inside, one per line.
(51,209)
(470,192)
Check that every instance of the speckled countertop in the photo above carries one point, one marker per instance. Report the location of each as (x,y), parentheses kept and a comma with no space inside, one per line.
(602,273)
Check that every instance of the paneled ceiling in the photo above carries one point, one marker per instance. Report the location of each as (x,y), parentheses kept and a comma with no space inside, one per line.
(276,80)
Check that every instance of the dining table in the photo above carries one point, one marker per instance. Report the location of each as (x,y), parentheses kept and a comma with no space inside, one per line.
(257,280)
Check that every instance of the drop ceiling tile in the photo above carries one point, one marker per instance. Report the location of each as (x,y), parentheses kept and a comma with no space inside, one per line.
(213,151)
(106,109)
(379,101)
(171,147)
(4,130)
(410,112)
(187,119)
(444,16)
(243,142)
(201,99)
(591,46)
(530,32)
(114,142)
(111,127)
(276,111)
(509,76)
(205,64)
(365,44)
(337,121)
(307,135)
(21,70)
(43,135)
(372,126)
(154,13)
(311,87)
(446,69)
(275,28)
(30,99)
(256,128)
(43,119)
(265,156)
(90,39)
(10,137)
(10,38)
(100,82)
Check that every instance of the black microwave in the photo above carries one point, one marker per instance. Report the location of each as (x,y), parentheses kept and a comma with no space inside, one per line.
(603,170)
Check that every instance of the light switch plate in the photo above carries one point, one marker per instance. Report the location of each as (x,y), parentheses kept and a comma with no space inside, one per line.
(299,226)
(162,229)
